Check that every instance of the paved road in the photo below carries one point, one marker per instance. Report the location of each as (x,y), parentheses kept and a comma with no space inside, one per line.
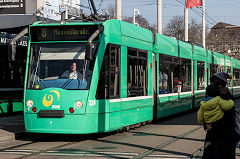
(178,136)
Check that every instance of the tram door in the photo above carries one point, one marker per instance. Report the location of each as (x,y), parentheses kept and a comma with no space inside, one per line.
(114,85)
(109,88)
(154,86)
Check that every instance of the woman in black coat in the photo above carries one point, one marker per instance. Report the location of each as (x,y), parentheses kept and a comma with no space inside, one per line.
(224,136)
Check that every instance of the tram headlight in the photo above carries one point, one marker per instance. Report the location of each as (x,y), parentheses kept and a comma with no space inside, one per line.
(78,104)
(29,103)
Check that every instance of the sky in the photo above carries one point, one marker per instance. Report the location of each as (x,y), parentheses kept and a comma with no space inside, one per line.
(216,10)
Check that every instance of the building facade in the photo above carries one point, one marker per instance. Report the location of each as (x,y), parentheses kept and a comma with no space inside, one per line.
(52,9)
(224,38)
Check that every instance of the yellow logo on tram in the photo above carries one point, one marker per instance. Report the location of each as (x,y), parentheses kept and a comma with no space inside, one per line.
(47,102)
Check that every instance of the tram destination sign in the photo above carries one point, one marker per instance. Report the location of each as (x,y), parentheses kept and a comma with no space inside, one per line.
(62,33)
(12,7)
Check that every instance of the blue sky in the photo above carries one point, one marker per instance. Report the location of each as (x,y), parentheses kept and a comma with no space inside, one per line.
(216,10)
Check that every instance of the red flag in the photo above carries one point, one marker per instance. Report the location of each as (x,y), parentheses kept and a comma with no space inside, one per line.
(193,3)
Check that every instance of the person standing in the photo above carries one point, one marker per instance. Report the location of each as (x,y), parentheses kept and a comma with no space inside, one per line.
(224,135)
(210,114)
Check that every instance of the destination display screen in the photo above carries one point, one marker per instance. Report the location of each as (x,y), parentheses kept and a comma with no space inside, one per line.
(62,33)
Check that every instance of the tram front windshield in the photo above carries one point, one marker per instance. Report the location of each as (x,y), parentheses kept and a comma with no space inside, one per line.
(59,65)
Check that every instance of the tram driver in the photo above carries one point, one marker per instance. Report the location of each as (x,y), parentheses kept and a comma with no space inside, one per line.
(72,73)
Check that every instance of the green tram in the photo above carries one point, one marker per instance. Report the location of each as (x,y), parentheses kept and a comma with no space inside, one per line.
(98,77)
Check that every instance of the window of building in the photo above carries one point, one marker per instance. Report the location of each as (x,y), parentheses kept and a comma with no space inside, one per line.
(200,75)
(236,77)
(174,72)
(137,73)
(109,79)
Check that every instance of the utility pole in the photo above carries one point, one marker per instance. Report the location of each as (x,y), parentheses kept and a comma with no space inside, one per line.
(119,9)
(204,25)
(134,15)
(66,13)
(93,7)
(159,16)
(186,22)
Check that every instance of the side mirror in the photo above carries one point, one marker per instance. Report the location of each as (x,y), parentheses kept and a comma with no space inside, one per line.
(89,51)
(11,52)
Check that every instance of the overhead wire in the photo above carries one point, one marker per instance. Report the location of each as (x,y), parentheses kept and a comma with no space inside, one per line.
(207,15)
(203,12)
(211,21)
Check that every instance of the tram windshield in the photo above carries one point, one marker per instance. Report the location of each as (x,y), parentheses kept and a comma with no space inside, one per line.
(59,65)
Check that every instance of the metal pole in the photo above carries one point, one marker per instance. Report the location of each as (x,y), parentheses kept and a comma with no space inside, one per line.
(186,22)
(204,25)
(93,7)
(119,9)
(66,13)
(159,16)
(133,16)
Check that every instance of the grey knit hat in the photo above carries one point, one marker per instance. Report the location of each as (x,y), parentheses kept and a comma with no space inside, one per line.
(223,76)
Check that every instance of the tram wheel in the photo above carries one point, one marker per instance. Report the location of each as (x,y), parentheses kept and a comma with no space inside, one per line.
(127,128)
(143,123)
(138,125)
(120,130)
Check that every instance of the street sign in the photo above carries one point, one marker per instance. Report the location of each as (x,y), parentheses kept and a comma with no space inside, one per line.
(12,7)
(6,38)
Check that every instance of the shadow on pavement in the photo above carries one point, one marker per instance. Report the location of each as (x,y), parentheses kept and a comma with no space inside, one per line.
(185,118)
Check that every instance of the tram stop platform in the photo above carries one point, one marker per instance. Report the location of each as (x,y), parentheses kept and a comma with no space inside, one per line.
(11,127)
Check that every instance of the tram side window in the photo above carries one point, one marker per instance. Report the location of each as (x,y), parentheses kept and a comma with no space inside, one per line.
(109,79)
(200,75)
(137,77)
(229,80)
(165,74)
(173,72)
(186,74)
(214,68)
(236,77)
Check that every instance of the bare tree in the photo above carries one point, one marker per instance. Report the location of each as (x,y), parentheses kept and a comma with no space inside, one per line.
(175,28)
(195,32)
(110,11)
(143,22)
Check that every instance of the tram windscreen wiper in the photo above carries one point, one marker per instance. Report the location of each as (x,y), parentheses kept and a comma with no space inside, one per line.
(37,67)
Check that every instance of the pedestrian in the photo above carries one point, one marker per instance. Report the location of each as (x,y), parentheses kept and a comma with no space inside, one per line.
(210,114)
(224,135)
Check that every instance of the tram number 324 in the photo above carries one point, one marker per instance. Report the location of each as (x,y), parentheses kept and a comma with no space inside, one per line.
(92,102)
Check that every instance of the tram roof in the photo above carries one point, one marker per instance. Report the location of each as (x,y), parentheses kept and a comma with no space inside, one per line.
(67,22)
